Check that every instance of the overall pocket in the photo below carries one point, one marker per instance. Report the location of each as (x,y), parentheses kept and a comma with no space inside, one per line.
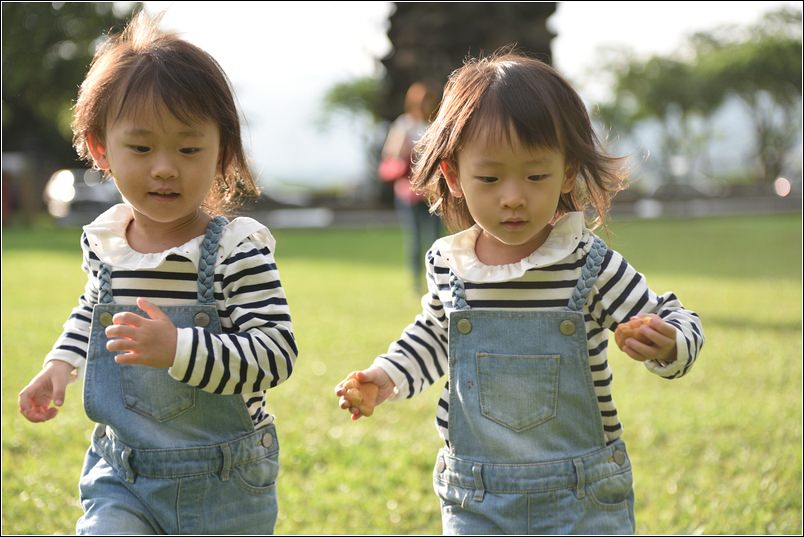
(154,393)
(518,392)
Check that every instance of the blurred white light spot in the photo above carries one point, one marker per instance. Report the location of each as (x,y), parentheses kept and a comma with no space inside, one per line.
(61,186)
(782,186)
(648,208)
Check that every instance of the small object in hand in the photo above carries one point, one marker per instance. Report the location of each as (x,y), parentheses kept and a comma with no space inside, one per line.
(362,395)
(631,329)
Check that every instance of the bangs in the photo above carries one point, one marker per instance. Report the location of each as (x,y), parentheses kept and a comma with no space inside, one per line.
(152,88)
(505,109)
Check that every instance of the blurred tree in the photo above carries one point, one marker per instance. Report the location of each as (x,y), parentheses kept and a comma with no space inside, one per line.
(760,64)
(47,49)
(668,90)
(431,39)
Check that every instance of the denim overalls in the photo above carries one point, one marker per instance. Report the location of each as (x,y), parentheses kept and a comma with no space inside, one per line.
(167,457)
(526,450)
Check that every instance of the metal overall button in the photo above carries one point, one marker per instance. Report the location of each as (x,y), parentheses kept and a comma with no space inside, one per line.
(267,440)
(105,318)
(618,457)
(567,327)
(464,326)
(441,465)
(201,319)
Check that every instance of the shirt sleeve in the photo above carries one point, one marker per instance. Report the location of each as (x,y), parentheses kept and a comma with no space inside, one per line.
(621,292)
(420,356)
(259,350)
(71,346)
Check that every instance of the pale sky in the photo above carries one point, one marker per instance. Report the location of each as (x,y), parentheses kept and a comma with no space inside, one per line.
(283,56)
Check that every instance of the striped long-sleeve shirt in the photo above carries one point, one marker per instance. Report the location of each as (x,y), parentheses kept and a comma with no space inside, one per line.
(256,349)
(544,280)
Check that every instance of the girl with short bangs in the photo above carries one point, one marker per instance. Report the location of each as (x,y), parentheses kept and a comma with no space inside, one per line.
(520,305)
(183,324)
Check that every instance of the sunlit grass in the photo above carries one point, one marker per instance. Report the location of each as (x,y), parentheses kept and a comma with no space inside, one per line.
(717,452)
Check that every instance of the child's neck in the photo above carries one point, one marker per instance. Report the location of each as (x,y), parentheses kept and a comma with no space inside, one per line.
(146,236)
(490,251)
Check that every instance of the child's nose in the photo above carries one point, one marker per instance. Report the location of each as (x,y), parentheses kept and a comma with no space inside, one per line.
(512,197)
(164,167)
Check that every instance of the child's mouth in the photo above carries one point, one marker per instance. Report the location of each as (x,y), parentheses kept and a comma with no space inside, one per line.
(164,195)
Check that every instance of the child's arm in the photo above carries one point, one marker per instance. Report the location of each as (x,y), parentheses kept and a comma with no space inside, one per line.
(416,360)
(622,293)
(48,386)
(647,337)
(257,351)
(64,362)
(374,375)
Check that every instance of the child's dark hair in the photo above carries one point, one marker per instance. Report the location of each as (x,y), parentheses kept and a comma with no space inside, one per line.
(144,66)
(511,92)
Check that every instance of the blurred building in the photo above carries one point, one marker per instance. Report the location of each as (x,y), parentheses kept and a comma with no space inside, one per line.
(430,40)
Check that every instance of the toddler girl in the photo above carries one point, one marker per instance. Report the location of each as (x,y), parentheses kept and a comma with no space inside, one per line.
(183,324)
(520,304)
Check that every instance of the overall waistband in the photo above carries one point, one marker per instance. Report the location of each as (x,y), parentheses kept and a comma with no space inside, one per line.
(571,473)
(183,462)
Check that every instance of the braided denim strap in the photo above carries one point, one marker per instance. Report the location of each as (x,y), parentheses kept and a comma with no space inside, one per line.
(206,259)
(105,290)
(589,273)
(458,292)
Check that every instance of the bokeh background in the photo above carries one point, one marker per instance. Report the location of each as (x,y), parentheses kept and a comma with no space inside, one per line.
(706,100)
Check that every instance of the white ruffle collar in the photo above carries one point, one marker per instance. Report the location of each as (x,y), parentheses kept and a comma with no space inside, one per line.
(107,238)
(458,251)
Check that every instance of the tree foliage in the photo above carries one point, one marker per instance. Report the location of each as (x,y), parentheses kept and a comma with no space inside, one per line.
(760,64)
(47,49)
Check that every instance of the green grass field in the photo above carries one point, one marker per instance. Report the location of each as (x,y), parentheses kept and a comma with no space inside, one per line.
(717,452)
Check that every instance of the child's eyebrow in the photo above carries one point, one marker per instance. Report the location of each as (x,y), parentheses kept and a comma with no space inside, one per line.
(144,132)
(492,162)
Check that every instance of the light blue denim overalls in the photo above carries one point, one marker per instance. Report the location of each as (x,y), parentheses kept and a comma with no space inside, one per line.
(526,450)
(167,457)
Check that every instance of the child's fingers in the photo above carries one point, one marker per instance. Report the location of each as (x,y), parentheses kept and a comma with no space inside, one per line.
(637,350)
(151,309)
(663,327)
(129,318)
(120,331)
(121,344)
(656,337)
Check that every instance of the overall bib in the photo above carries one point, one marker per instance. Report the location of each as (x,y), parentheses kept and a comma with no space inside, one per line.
(167,457)
(527,453)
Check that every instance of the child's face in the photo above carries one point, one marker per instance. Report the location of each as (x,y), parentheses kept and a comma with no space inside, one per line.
(512,192)
(163,167)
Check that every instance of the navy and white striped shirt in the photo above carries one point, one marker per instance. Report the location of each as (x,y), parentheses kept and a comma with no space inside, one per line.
(256,350)
(544,280)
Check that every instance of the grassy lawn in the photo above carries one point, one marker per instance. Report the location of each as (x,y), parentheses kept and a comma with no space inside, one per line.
(716,452)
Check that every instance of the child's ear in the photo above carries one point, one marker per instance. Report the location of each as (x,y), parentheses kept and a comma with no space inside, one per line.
(451,175)
(569,180)
(98,152)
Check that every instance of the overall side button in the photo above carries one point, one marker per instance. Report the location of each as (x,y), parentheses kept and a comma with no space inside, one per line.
(567,327)
(464,326)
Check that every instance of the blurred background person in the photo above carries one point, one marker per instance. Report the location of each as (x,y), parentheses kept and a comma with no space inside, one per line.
(421,227)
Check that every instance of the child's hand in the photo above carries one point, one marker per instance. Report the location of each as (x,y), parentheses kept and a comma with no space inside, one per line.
(49,385)
(647,337)
(361,391)
(147,341)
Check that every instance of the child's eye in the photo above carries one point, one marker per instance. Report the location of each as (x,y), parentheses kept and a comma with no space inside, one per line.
(535,178)
(139,148)
(190,150)
(486,179)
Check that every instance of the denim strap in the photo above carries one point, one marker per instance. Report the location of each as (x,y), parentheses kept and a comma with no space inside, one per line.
(206,260)
(206,266)
(589,273)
